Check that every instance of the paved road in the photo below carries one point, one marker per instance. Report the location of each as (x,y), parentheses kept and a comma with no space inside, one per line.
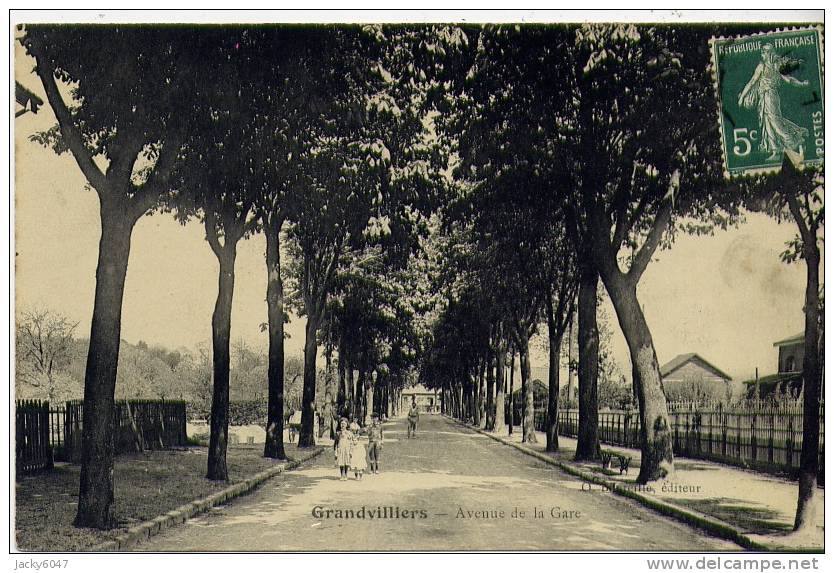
(452,488)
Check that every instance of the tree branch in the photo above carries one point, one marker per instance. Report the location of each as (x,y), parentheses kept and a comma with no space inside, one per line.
(623,230)
(123,155)
(148,194)
(69,131)
(807,237)
(661,223)
(331,270)
(210,223)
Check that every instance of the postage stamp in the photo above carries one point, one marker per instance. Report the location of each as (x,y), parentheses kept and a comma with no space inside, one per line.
(770,98)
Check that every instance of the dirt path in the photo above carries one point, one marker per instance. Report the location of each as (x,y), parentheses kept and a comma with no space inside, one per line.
(448,489)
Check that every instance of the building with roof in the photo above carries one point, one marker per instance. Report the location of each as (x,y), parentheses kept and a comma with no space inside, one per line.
(791,354)
(427,400)
(786,384)
(690,377)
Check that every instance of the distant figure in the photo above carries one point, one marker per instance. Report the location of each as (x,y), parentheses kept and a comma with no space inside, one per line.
(358,455)
(374,443)
(413,418)
(293,423)
(342,447)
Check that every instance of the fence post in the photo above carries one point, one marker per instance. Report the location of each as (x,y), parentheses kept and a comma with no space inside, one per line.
(697,422)
(50,461)
(675,443)
(821,470)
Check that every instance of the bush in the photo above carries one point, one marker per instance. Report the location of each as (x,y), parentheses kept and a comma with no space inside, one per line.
(240,413)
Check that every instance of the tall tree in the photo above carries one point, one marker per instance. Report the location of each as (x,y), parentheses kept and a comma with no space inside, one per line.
(218,181)
(559,304)
(374,158)
(286,85)
(647,164)
(510,174)
(799,196)
(327,222)
(587,443)
(131,96)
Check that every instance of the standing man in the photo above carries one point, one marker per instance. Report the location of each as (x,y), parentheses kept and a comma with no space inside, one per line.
(413,418)
(374,443)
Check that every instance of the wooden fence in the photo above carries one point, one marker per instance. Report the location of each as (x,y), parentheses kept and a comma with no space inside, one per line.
(33,452)
(765,437)
(139,425)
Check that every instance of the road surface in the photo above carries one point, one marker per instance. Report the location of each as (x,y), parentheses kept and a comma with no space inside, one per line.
(449,489)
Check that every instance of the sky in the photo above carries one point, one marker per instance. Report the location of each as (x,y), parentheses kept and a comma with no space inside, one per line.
(727,297)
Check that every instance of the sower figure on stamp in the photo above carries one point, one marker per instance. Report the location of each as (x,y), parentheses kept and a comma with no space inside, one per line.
(778,133)
(374,443)
(413,418)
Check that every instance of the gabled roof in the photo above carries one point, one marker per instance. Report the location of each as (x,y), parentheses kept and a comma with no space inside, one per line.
(416,389)
(539,387)
(682,359)
(795,339)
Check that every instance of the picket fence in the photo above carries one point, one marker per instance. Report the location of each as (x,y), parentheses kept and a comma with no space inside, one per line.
(764,436)
(46,434)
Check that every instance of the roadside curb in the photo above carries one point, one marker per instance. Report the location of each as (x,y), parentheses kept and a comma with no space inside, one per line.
(147,529)
(707,523)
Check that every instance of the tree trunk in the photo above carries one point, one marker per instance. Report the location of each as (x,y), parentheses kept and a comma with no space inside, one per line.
(510,392)
(369,401)
(554,339)
(328,411)
(476,397)
(358,413)
(500,371)
(274,444)
(529,420)
(468,401)
(809,498)
(656,459)
(306,437)
(390,402)
(490,392)
(221,326)
(452,407)
(95,496)
(587,446)
(342,394)
(349,406)
(465,402)
(569,402)
(482,392)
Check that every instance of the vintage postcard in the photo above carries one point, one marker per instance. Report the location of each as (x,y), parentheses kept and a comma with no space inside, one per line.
(435,282)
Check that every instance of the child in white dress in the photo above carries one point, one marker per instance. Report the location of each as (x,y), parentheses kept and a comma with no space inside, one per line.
(342,447)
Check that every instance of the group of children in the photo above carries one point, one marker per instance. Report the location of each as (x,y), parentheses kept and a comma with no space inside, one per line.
(349,448)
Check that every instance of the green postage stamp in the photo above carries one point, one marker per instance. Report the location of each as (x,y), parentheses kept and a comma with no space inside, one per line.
(770,98)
